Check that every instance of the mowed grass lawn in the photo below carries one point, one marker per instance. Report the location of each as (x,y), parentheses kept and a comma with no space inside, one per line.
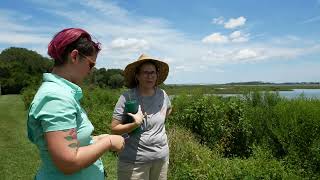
(18,156)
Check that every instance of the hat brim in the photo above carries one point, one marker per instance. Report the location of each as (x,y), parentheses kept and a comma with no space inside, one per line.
(130,70)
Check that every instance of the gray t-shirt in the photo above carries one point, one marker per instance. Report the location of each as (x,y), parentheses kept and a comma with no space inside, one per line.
(150,143)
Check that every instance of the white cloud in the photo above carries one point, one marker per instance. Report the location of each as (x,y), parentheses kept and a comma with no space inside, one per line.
(16,31)
(12,21)
(293,38)
(190,68)
(233,56)
(19,38)
(215,38)
(311,20)
(238,36)
(109,9)
(219,20)
(130,44)
(245,54)
(51,4)
(218,38)
(254,54)
(235,34)
(233,23)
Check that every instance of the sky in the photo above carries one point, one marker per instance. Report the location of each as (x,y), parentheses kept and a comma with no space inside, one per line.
(204,42)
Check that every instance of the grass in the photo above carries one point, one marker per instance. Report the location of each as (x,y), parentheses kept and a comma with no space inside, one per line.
(19,157)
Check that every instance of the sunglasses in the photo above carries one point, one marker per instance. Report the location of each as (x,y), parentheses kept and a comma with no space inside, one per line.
(91,62)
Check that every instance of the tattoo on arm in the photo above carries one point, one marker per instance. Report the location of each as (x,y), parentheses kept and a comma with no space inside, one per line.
(72,135)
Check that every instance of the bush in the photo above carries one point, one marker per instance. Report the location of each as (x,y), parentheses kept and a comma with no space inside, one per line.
(296,125)
(28,94)
(218,121)
(190,160)
(99,104)
(289,129)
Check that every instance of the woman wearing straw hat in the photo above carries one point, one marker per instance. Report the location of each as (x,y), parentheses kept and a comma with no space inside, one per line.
(146,153)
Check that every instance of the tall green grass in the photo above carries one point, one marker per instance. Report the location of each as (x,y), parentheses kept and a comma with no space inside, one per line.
(190,159)
(286,128)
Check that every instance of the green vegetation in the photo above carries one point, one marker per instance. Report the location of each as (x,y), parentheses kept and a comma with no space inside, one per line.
(256,136)
(106,78)
(191,160)
(260,135)
(21,68)
(281,134)
(19,158)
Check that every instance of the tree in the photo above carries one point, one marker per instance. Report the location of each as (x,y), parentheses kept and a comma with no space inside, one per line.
(101,77)
(20,67)
(116,81)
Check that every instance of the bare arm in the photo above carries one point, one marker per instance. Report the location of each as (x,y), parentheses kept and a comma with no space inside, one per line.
(169,110)
(118,128)
(66,154)
(98,137)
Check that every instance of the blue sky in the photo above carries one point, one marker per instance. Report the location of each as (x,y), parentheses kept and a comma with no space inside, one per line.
(204,42)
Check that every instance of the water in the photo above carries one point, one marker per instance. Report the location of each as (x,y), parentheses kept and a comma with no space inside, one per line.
(308,93)
(295,93)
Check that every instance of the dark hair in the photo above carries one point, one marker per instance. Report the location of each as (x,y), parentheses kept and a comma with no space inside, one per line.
(146,62)
(69,39)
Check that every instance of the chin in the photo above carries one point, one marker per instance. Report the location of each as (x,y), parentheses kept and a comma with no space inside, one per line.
(78,82)
(148,86)
(151,86)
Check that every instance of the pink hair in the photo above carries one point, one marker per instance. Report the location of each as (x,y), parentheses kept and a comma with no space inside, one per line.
(65,37)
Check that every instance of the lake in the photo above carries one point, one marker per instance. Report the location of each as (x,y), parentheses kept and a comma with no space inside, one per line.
(309,93)
(295,93)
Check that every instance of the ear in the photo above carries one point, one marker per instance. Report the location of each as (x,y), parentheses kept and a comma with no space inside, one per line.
(73,55)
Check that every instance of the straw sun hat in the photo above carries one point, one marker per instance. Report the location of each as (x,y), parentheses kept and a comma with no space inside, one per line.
(130,70)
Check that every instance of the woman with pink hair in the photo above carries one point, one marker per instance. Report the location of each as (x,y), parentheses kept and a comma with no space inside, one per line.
(57,124)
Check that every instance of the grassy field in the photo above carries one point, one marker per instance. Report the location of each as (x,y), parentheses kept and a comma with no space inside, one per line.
(19,158)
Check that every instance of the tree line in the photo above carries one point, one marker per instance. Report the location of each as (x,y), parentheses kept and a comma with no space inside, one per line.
(21,68)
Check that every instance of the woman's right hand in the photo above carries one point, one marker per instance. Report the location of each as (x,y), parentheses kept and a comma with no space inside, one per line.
(116,142)
(138,117)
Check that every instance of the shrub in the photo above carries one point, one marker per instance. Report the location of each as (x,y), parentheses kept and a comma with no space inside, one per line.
(190,160)
(27,95)
(296,125)
(99,104)
(219,122)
